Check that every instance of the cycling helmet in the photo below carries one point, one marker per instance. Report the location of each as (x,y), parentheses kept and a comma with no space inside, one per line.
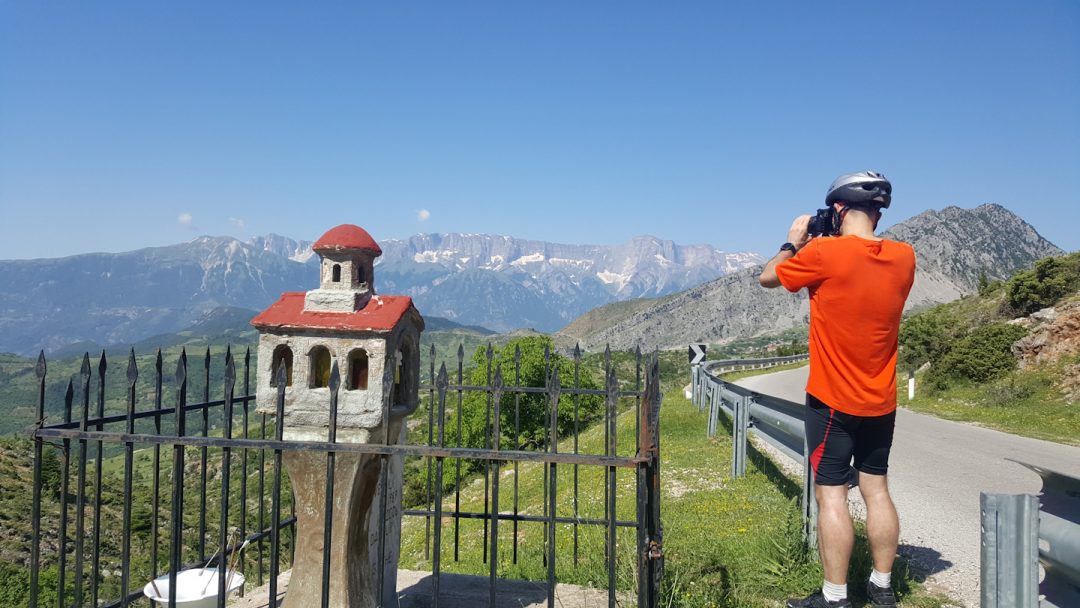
(862,189)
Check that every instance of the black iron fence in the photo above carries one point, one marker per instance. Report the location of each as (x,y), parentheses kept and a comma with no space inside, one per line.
(136,511)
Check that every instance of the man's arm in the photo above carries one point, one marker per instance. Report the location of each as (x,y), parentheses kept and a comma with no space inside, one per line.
(798,236)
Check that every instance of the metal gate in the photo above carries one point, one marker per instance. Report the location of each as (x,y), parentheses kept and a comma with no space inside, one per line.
(223,476)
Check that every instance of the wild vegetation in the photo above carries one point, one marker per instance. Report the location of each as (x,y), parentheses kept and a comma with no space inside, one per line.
(967,362)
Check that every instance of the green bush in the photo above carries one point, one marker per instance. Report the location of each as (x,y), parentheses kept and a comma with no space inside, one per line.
(527,413)
(926,337)
(1047,282)
(982,355)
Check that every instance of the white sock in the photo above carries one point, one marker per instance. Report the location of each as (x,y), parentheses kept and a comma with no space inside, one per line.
(834,592)
(881,579)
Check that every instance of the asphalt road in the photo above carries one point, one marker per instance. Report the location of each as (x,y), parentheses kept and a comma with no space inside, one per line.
(936,471)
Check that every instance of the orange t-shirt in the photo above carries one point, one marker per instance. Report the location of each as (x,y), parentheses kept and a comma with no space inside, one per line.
(857,292)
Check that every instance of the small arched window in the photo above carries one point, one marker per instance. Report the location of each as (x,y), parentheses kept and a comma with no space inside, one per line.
(358,370)
(337,273)
(281,353)
(360,278)
(320,367)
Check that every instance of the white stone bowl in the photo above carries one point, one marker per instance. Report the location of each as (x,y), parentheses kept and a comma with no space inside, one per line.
(190,585)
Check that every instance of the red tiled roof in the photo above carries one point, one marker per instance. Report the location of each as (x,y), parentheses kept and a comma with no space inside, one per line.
(347,237)
(382,313)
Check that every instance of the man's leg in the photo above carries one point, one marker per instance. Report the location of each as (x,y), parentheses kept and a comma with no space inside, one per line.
(836,535)
(882,523)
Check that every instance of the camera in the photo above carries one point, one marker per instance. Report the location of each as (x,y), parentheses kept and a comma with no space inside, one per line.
(825,222)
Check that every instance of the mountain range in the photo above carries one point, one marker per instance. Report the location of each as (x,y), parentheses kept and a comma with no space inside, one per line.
(953,248)
(497,282)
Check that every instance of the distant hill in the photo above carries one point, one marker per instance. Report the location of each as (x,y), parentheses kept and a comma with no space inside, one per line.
(482,281)
(953,248)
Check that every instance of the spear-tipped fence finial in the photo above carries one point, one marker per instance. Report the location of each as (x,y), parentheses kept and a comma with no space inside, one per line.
(132,369)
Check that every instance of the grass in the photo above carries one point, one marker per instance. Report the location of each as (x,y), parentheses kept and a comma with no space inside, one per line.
(1024,402)
(727,542)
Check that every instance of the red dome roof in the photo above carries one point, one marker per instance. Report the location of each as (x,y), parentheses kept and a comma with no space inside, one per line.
(347,237)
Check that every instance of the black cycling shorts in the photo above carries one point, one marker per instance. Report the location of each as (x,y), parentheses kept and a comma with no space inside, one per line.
(835,438)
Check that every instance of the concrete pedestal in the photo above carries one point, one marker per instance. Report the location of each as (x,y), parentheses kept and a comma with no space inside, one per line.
(354,558)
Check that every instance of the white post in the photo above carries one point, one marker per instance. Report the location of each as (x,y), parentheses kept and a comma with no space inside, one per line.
(910,386)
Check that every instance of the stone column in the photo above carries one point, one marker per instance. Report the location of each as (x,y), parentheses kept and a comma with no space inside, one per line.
(354,559)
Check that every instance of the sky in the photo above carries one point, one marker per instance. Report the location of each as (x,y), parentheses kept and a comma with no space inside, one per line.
(133,124)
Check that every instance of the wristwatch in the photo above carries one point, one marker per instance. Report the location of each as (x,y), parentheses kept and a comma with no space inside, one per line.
(789,247)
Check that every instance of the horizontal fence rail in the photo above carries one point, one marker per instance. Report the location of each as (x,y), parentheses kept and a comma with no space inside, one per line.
(778,422)
(203,484)
(1019,535)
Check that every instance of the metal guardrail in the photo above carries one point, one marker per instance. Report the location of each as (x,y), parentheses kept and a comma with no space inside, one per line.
(778,422)
(1018,536)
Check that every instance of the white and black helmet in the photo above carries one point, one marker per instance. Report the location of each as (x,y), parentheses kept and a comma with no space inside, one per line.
(862,189)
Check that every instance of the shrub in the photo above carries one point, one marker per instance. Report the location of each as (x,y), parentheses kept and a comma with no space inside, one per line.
(925,338)
(1047,282)
(982,355)
(530,411)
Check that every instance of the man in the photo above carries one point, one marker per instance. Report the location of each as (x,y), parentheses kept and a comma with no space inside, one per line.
(858,284)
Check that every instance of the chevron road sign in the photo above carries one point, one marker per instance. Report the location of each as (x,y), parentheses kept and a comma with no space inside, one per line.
(697,353)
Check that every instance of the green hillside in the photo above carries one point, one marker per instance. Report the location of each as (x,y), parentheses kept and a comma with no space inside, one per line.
(995,359)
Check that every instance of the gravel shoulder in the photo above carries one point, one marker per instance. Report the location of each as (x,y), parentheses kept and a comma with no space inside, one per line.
(937,470)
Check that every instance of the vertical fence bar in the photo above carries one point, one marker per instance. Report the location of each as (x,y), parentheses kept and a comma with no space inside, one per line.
(35,509)
(637,397)
(496,435)
(487,444)
(610,449)
(554,392)
(275,499)
(652,558)
(441,384)
(431,437)
(244,466)
(384,475)
(607,433)
(95,560)
(457,461)
(328,509)
(80,488)
(65,486)
(176,556)
(155,514)
(517,440)
(261,523)
(224,535)
(577,405)
(129,452)
(80,485)
(202,457)
(544,503)
(1010,550)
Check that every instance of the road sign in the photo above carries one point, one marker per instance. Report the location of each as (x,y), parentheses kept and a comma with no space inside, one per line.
(697,353)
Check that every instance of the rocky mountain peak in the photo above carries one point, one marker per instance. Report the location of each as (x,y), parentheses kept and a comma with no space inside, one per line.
(953,247)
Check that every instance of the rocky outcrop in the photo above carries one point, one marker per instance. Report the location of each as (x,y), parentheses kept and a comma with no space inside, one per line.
(1054,333)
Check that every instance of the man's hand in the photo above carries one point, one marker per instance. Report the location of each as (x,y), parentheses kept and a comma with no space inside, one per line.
(799,236)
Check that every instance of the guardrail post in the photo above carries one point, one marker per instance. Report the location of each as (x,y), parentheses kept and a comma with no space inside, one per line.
(738,436)
(809,500)
(714,408)
(695,388)
(1010,550)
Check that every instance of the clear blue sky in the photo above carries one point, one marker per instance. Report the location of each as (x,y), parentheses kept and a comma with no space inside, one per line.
(124,125)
